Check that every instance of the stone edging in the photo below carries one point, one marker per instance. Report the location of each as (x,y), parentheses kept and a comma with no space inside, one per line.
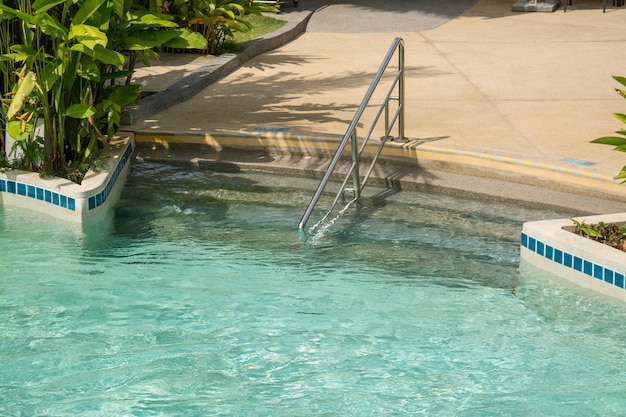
(218,68)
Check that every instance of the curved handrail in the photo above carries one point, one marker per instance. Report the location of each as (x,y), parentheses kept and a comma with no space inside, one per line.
(350,135)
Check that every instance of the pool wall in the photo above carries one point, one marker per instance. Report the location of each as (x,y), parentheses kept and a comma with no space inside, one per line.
(590,264)
(66,200)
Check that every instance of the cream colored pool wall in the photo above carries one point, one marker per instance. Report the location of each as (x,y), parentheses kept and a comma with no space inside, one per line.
(590,264)
(63,199)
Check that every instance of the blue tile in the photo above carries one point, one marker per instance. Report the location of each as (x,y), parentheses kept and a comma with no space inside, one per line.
(558,256)
(598,271)
(63,201)
(608,275)
(39,193)
(578,264)
(11,188)
(21,188)
(532,244)
(30,190)
(55,199)
(71,204)
(549,252)
(3,186)
(48,196)
(540,248)
(619,280)
(568,260)
(524,240)
(588,268)
(92,203)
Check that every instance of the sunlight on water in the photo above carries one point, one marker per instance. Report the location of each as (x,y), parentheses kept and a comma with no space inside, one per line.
(201,298)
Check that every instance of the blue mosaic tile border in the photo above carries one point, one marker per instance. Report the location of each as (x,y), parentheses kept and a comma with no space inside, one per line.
(99,199)
(60,200)
(38,193)
(574,262)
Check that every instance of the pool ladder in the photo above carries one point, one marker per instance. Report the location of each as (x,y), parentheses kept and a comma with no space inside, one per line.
(394,94)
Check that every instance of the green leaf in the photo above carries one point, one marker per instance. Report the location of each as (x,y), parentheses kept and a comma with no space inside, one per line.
(621,148)
(22,52)
(41,6)
(153,20)
(147,39)
(88,69)
(621,80)
(610,140)
(50,26)
(89,36)
(80,111)
(87,10)
(124,95)
(622,174)
(14,129)
(26,86)
(188,39)
(118,7)
(621,117)
(108,56)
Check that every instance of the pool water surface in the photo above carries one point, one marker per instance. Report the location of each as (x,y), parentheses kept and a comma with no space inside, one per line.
(200,297)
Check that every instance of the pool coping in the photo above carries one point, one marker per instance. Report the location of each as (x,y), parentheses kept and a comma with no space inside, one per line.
(592,265)
(61,198)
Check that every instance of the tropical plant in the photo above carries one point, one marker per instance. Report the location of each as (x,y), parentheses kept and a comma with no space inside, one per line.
(611,234)
(618,141)
(216,20)
(62,62)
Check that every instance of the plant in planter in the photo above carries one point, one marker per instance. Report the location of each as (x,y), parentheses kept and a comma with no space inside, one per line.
(618,141)
(612,234)
(61,61)
(216,20)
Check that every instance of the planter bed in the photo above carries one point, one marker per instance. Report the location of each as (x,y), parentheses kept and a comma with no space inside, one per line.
(550,246)
(66,200)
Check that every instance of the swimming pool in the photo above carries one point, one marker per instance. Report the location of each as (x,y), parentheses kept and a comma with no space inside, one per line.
(200,297)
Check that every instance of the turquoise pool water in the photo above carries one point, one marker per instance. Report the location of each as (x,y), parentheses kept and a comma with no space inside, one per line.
(201,298)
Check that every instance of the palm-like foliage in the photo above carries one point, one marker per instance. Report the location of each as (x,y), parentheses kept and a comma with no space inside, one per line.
(618,141)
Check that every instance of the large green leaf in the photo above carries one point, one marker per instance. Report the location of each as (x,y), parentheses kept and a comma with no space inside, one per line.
(188,39)
(26,86)
(87,35)
(610,140)
(88,69)
(80,111)
(621,117)
(18,130)
(22,52)
(147,39)
(153,20)
(41,6)
(124,95)
(87,10)
(50,26)
(108,56)
(9,13)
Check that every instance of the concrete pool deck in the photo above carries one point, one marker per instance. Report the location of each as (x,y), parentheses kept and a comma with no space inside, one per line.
(492,95)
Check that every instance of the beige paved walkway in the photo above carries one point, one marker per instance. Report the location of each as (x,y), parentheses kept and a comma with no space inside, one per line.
(531,89)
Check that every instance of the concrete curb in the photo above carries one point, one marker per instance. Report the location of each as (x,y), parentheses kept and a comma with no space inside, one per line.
(215,70)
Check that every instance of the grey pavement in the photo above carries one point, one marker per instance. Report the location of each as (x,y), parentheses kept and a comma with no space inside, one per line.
(490,91)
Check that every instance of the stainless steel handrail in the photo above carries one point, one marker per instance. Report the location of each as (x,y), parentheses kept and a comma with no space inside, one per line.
(351,136)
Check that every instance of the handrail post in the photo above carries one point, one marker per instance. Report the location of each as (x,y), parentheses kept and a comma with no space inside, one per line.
(355,171)
(401,91)
(397,46)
